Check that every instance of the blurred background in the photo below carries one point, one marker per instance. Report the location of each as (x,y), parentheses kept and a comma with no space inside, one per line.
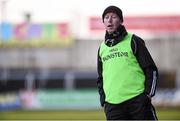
(48,51)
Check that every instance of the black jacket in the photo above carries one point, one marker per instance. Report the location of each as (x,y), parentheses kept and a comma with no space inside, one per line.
(143,57)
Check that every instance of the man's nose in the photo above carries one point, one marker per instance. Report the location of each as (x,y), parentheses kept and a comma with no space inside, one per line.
(110,19)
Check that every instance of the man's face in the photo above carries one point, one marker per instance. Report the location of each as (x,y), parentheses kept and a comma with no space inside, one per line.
(111,22)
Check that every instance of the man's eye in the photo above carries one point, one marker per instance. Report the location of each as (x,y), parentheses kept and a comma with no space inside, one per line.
(106,17)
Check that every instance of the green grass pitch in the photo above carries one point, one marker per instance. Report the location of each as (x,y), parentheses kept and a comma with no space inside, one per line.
(163,114)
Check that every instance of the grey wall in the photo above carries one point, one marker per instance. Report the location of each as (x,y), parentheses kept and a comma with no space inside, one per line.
(82,55)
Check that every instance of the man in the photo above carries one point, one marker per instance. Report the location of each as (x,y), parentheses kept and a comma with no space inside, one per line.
(127,74)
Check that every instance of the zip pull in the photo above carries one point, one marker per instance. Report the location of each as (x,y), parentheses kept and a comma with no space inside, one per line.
(112,42)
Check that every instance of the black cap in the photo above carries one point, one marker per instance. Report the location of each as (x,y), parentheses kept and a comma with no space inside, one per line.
(113,9)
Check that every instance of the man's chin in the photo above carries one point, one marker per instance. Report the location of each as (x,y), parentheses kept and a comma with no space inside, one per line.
(110,31)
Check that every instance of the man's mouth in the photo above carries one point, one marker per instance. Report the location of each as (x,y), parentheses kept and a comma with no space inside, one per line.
(110,25)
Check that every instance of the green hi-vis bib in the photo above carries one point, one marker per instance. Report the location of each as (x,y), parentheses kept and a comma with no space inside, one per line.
(123,78)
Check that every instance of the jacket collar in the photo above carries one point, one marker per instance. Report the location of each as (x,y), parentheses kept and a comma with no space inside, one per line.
(116,36)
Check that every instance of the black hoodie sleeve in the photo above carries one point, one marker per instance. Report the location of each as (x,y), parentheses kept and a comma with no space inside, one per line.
(100,80)
(146,63)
